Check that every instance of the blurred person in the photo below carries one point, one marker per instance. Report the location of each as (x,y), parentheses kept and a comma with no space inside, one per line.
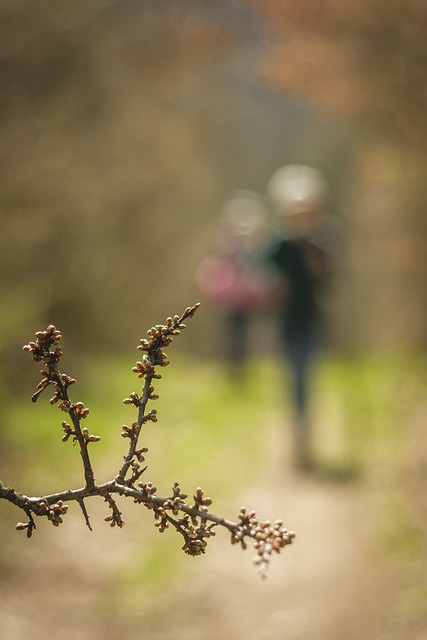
(301,258)
(232,274)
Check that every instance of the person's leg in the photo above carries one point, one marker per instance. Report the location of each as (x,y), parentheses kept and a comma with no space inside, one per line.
(237,322)
(301,349)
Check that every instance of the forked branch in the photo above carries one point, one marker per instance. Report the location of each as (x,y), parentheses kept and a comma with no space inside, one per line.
(191,519)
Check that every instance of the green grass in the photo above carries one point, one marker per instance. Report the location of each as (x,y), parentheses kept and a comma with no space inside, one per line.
(364,403)
(207,422)
(211,431)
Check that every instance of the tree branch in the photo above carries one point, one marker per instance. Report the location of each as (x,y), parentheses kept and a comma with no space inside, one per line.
(189,519)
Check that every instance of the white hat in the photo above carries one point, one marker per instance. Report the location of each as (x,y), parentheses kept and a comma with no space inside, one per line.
(296,188)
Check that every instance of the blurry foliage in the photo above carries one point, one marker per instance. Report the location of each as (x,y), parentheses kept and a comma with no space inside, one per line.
(366,61)
(99,169)
(124,124)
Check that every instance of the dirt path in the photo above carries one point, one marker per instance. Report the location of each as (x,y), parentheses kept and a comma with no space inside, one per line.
(323,587)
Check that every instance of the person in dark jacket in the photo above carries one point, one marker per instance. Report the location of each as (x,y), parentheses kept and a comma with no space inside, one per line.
(301,260)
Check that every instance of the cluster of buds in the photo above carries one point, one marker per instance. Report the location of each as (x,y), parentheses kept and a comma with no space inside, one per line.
(87,437)
(148,488)
(79,410)
(194,527)
(134,398)
(269,537)
(195,534)
(144,368)
(162,334)
(196,537)
(152,395)
(68,431)
(247,525)
(115,520)
(151,415)
(159,337)
(41,349)
(55,512)
(194,545)
(161,517)
(156,357)
(173,505)
(200,502)
(130,432)
(25,526)
(139,454)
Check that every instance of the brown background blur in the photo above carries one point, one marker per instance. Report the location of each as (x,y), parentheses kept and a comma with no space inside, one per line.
(124,125)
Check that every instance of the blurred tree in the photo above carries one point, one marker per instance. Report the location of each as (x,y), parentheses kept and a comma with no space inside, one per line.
(364,59)
(124,124)
(96,157)
(367,61)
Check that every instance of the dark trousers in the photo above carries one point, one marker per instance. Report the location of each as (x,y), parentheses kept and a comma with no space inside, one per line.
(237,338)
(301,345)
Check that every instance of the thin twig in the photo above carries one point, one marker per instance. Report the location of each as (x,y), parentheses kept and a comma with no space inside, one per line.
(85,513)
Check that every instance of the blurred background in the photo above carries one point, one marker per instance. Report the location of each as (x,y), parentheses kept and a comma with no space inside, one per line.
(125,125)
